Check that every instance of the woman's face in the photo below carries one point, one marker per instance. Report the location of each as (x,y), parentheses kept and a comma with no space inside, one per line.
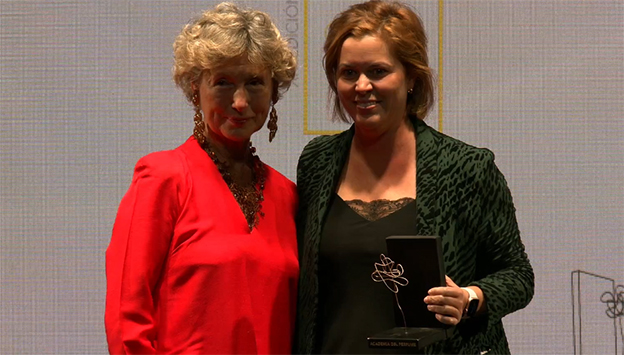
(372,84)
(235,99)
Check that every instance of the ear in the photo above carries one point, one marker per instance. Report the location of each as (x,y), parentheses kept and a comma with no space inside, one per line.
(410,83)
(196,82)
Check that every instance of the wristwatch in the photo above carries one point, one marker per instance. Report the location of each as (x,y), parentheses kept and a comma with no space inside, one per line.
(473,303)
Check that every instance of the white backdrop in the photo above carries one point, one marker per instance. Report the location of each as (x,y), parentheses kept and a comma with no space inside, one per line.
(86,90)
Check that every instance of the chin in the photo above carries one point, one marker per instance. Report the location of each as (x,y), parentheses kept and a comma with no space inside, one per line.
(367,120)
(239,135)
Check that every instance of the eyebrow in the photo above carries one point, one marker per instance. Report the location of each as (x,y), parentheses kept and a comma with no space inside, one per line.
(368,64)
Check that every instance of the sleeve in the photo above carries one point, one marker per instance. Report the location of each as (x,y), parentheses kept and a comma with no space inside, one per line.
(306,159)
(300,216)
(310,169)
(303,325)
(507,276)
(138,250)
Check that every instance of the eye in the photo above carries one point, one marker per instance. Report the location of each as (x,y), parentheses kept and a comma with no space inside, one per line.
(221,83)
(379,72)
(348,74)
(256,82)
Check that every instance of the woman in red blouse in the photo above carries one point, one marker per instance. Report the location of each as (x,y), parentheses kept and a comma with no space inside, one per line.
(203,256)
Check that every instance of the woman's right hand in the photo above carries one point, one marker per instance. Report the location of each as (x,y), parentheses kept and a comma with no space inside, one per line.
(448,303)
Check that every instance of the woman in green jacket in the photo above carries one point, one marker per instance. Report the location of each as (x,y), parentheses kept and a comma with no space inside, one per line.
(391,174)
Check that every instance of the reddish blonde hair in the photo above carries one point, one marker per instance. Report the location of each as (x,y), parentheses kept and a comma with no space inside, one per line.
(402,30)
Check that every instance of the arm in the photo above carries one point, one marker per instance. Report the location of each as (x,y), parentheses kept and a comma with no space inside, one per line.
(504,277)
(504,273)
(136,255)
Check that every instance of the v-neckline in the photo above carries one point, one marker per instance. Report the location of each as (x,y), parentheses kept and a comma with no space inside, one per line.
(223,183)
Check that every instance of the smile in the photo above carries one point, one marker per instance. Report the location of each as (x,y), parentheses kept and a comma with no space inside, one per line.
(366,104)
(238,120)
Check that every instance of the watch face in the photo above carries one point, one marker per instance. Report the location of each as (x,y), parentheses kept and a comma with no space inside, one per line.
(472,307)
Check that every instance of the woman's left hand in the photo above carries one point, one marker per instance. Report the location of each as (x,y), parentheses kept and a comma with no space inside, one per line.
(447,303)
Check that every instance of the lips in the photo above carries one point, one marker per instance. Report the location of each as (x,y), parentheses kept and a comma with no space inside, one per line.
(238,120)
(365,104)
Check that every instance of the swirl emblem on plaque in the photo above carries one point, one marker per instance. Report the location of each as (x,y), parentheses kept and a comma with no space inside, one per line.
(391,274)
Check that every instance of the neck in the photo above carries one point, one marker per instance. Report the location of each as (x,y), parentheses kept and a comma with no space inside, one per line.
(381,166)
(228,150)
(396,142)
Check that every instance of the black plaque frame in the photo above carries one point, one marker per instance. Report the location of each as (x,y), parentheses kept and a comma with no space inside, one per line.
(423,265)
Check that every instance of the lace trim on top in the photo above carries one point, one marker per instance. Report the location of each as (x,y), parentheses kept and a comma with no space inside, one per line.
(377,209)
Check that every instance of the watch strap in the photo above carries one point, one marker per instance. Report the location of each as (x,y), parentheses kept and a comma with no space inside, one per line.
(473,303)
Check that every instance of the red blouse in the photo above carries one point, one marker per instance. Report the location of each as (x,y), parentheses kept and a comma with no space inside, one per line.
(184,275)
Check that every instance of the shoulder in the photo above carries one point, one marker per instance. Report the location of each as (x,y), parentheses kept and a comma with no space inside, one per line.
(454,149)
(458,165)
(464,166)
(162,165)
(324,144)
(160,162)
(280,188)
(278,179)
(454,155)
(321,149)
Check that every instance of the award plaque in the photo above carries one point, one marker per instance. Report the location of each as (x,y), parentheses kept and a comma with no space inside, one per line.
(413,266)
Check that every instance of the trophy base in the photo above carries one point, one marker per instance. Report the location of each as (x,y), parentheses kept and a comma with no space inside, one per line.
(415,338)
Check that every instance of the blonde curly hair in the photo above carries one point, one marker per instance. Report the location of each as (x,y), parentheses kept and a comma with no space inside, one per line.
(227,32)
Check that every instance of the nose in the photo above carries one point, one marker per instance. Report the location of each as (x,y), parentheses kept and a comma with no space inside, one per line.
(363,84)
(240,101)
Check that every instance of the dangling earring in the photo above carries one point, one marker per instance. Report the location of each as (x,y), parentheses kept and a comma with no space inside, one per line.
(198,130)
(272,125)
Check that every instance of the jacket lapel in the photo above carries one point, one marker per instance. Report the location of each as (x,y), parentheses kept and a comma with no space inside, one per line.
(336,162)
(428,209)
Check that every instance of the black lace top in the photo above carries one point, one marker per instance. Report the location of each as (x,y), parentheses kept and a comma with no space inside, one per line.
(352,306)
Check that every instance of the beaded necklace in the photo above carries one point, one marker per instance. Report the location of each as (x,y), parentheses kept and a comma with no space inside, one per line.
(249,197)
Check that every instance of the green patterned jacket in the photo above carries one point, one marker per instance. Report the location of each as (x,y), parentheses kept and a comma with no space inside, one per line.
(462,197)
